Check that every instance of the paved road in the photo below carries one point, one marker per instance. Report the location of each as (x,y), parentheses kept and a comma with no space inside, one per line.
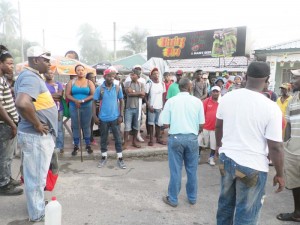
(111,196)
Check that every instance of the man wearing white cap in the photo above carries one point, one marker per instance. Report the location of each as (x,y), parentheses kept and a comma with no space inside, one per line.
(37,127)
(207,137)
(292,149)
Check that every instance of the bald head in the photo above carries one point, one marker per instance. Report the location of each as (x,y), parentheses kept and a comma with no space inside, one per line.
(185,85)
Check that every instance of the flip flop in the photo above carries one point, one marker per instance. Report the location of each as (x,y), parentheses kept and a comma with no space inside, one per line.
(287,217)
(161,142)
(150,143)
(136,145)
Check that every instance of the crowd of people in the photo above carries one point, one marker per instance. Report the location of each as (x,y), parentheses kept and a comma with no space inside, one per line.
(236,117)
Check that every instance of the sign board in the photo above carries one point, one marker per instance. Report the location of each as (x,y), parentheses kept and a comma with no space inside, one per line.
(226,42)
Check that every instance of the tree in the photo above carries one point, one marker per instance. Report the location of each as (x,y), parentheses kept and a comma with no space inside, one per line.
(91,49)
(136,40)
(8,19)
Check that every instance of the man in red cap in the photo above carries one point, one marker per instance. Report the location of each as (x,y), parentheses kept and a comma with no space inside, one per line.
(174,88)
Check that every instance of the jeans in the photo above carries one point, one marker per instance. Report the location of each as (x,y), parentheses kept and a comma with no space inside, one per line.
(242,193)
(104,128)
(37,151)
(183,148)
(85,123)
(60,132)
(7,147)
(153,117)
(131,119)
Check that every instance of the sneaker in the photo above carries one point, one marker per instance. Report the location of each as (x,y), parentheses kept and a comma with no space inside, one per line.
(10,190)
(89,149)
(121,163)
(14,182)
(167,201)
(102,162)
(211,161)
(75,151)
(41,219)
(139,138)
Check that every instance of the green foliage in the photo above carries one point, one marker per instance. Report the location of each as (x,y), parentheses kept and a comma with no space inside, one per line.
(9,23)
(136,40)
(91,49)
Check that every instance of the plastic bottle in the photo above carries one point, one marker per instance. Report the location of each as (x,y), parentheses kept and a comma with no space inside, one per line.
(53,212)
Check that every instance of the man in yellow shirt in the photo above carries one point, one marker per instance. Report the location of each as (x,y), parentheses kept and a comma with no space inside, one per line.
(283,101)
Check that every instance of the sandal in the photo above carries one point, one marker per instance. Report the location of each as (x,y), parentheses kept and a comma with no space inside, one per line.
(136,145)
(150,143)
(161,142)
(287,217)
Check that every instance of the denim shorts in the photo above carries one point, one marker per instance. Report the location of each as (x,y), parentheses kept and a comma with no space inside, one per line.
(131,119)
(153,117)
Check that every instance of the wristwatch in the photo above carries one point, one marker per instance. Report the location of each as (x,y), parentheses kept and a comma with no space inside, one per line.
(82,101)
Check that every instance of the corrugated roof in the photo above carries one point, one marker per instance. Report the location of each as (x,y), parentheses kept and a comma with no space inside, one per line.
(128,62)
(209,63)
(285,45)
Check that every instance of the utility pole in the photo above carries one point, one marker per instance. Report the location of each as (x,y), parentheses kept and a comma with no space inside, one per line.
(43,38)
(21,33)
(115,43)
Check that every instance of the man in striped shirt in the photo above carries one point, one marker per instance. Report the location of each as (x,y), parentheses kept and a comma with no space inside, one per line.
(292,149)
(8,128)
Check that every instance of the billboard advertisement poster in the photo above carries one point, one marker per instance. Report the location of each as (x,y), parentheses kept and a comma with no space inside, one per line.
(225,42)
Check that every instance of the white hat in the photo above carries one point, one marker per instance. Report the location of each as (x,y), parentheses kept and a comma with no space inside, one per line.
(296,72)
(137,66)
(216,88)
(38,51)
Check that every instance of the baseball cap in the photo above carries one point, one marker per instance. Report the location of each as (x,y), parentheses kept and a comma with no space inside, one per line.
(154,69)
(38,51)
(179,72)
(108,71)
(114,69)
(284,85)
(205,75)
(217,88)
(219,78)
(137,66)
(296,72)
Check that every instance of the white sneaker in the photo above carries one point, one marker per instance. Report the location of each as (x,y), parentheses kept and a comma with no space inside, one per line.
(211,161)
(139,138)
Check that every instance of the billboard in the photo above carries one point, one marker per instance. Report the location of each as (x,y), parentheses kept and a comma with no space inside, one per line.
(225,42)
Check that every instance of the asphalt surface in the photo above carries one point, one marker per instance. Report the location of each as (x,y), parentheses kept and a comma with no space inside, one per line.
(113,196)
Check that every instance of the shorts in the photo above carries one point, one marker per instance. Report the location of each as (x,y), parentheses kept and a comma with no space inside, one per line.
(131,119)
(207,139)
(291,170)
(153,117)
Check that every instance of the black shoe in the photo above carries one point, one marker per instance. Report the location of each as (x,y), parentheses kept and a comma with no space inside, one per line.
(75,151)
(15,183)
(89,149)
(10,189)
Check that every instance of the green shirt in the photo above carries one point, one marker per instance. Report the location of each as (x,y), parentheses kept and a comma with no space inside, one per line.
(173,90)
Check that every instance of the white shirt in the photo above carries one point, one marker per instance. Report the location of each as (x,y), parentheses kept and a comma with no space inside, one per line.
(156,94)
(249,119)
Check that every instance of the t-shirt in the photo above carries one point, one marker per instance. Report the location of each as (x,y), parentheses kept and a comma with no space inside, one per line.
(109,106)
(199,88)
(155,97)
(31,83)
(249,119)
(7,101)
(173,90)
(54,89)
(293,116)
(184,113)
(210,111)
(133,102)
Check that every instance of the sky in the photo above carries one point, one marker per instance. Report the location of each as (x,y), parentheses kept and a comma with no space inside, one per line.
(268,23)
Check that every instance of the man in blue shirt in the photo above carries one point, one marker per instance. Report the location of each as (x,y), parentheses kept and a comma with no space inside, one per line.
(110,115)
(184,115)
